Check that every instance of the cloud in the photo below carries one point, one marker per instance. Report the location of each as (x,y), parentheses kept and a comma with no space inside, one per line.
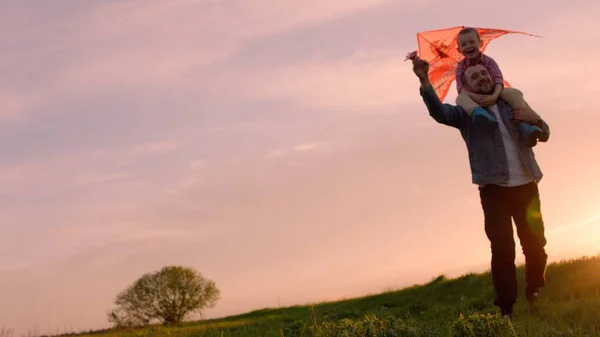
(592,220)
(220,177)
(200,170)
(96,178)
(155,148)
(13,105)
(199,164)
(225,19)
(99,166)
(12,173)
(305,147)
(363,80)
(156,43)
(129,232)
(58,241)
(187,183)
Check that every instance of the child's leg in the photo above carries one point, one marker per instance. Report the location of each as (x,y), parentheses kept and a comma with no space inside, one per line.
(514,98)
(466,102)
(478,114)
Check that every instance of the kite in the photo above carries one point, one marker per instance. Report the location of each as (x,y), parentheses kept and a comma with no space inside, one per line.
(440,49)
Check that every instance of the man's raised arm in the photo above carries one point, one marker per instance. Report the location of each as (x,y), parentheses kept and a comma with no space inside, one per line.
(443,113)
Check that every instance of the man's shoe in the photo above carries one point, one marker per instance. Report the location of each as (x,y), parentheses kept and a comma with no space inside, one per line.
(532,297)
(506,314)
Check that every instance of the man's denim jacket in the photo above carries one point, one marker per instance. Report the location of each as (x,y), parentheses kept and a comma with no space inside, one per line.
(487,156)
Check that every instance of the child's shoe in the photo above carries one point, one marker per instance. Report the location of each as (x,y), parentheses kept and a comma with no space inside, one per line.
(482,117)
(531,132)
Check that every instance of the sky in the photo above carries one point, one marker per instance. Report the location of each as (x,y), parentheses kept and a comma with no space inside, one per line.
(280,148)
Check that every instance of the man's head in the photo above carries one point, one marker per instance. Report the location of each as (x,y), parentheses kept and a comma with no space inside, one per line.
(469,43)
(478,80)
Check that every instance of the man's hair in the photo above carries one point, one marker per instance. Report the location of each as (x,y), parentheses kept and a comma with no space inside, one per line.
(468,30)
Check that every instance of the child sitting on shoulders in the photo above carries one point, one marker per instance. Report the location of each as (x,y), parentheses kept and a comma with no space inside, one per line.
(469,45)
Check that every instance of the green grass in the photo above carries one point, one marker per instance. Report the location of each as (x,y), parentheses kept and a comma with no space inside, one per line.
(569,306)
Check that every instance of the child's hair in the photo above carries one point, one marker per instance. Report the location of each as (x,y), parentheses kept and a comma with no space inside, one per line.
(468,30)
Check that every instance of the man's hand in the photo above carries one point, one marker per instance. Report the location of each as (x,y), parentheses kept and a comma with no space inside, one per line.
(526,115)
(421,68)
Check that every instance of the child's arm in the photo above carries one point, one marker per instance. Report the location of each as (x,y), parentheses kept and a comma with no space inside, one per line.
(495,71)
(487,100)
(497,91)
(478,98)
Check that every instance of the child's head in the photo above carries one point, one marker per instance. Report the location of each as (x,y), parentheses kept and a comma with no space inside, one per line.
(469,42)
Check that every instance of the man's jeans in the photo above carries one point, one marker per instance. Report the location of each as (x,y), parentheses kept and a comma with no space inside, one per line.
(501,205)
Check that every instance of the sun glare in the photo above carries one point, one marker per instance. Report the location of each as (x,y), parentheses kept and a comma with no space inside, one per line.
(579,238)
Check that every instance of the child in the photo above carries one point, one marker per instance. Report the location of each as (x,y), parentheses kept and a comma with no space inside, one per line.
(469,44)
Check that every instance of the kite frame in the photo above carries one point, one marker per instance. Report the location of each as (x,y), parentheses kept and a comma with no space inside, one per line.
(420,34)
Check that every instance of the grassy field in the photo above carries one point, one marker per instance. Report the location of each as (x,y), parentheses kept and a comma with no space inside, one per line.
(569,306)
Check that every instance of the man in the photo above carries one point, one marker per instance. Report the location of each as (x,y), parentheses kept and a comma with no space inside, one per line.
(505,169)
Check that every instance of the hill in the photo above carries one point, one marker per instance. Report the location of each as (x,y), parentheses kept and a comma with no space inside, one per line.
(569,306)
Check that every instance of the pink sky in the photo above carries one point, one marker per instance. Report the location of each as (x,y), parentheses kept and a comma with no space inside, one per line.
(279,147)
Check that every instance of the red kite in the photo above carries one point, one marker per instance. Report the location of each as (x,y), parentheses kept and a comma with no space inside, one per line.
(440,49)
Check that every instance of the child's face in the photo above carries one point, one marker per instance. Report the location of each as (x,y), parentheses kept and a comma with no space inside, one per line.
(468,45)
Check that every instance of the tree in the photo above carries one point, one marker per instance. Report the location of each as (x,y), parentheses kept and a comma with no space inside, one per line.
(167,296)
(122,319)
